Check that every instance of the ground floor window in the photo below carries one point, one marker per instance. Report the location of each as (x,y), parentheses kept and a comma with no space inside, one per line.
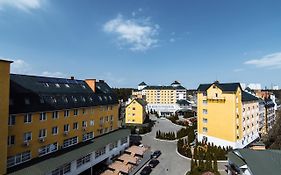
(113,145)
(83,160)
(66,168)
(48,149)
(124,140)
(70,142)
(18,159)
(88,136)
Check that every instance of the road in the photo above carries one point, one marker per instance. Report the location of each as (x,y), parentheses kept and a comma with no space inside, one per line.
(170,162)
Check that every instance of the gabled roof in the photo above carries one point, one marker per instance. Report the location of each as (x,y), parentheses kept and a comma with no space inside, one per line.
(175,83)
(248,97)
(260,162)
(38,94)
(229,87)
(183,102)
(140,101)
(142,84)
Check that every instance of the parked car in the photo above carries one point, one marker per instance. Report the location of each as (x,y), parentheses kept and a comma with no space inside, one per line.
(153,163)
(146,170)
(156,154)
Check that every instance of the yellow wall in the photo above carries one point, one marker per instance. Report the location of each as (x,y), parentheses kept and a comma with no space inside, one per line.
(4,112)
(222,116)
(166,96)
(138,112)
(92,113)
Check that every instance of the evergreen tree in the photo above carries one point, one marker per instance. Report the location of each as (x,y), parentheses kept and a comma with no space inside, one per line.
(215,164)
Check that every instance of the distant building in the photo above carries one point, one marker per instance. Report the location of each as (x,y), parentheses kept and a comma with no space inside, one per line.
(136,111)
(56,125)
(262,117)
(227,115)
(162,99)
(254,162)
(254,86)
(275,87)
(270,114)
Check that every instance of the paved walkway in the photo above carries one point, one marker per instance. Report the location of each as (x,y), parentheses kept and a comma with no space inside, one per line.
(170,162)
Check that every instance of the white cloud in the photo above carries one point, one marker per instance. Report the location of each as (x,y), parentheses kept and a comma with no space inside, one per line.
(24,5)
(272,61)
(20,67)
(53,74)
(138,34)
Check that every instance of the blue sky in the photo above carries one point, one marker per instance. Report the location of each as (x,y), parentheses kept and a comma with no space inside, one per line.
(156,41)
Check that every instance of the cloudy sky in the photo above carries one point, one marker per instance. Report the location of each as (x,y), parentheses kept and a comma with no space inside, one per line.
(153,41)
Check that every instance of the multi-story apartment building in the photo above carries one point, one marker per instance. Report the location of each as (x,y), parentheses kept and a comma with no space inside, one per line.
(55,125)
(270,114)
(227,116)
(162,99)
(262,117)
(136,111)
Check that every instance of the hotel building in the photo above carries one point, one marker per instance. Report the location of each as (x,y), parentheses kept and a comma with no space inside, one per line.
(55,125)
(227,116)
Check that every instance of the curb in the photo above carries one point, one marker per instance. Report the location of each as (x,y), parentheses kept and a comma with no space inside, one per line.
(165,140)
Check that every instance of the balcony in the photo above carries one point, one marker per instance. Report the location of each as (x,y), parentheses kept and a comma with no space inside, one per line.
(216,99)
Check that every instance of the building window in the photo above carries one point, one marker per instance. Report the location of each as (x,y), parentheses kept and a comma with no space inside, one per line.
(75,125)
(205,130)
(70,142)
(124,140)
(66,113)
(205,102)
(62,170)
(55,130)
(205,120)
(18,159)
(113,145)
(11,140)
(111,118)
(88,136)
(66,128)
(205,111)
(204,94)
(84,123)
(43,116)
(27,136)
(55,115)
(100,152)
(42,133)
(84,111)
(106,118)
(83,160)
(47,149)
(92,122)
(12,120)
(27,118)
(75,112)
(134,108)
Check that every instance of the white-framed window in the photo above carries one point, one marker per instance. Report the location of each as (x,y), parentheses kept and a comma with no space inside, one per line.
(43,116)
(12,120)
(18,159)
(55,115)
(124,140)
(92,122)
(75,112)
(55,130)
(42,133)
(47,149)
(205,120)
(27,118)
(205,111)
(100,152)
(205,102)
(84,123)
(75,125)
(27,136)
(205,129)
(88,136)
(113,145)
(83,160)
(66,128)
(69,142)
(11,140)
(66,113)
(66,168)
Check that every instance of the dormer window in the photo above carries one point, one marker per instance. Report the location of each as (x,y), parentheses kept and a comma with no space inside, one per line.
(57,85)
(105,98)
(83,99)
(90,98)
(27,101)
(100,98)
(65,99)
(83,86)
(110,98)
(74,99)
(42,100)
(67,85)
(46,85)
(54,100)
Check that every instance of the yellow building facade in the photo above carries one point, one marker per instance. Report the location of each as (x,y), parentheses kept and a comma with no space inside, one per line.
(136,112)
(4,111)
(221,112)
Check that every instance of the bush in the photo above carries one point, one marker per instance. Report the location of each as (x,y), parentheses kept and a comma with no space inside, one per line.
(165,135)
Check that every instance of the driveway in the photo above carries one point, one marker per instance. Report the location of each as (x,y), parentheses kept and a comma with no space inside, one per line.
(170,162)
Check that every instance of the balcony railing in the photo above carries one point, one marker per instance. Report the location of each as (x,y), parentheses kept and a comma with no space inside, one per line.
(216,99)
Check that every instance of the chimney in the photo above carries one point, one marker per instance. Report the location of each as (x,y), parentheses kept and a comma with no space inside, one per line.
(91,83)
(72,77)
